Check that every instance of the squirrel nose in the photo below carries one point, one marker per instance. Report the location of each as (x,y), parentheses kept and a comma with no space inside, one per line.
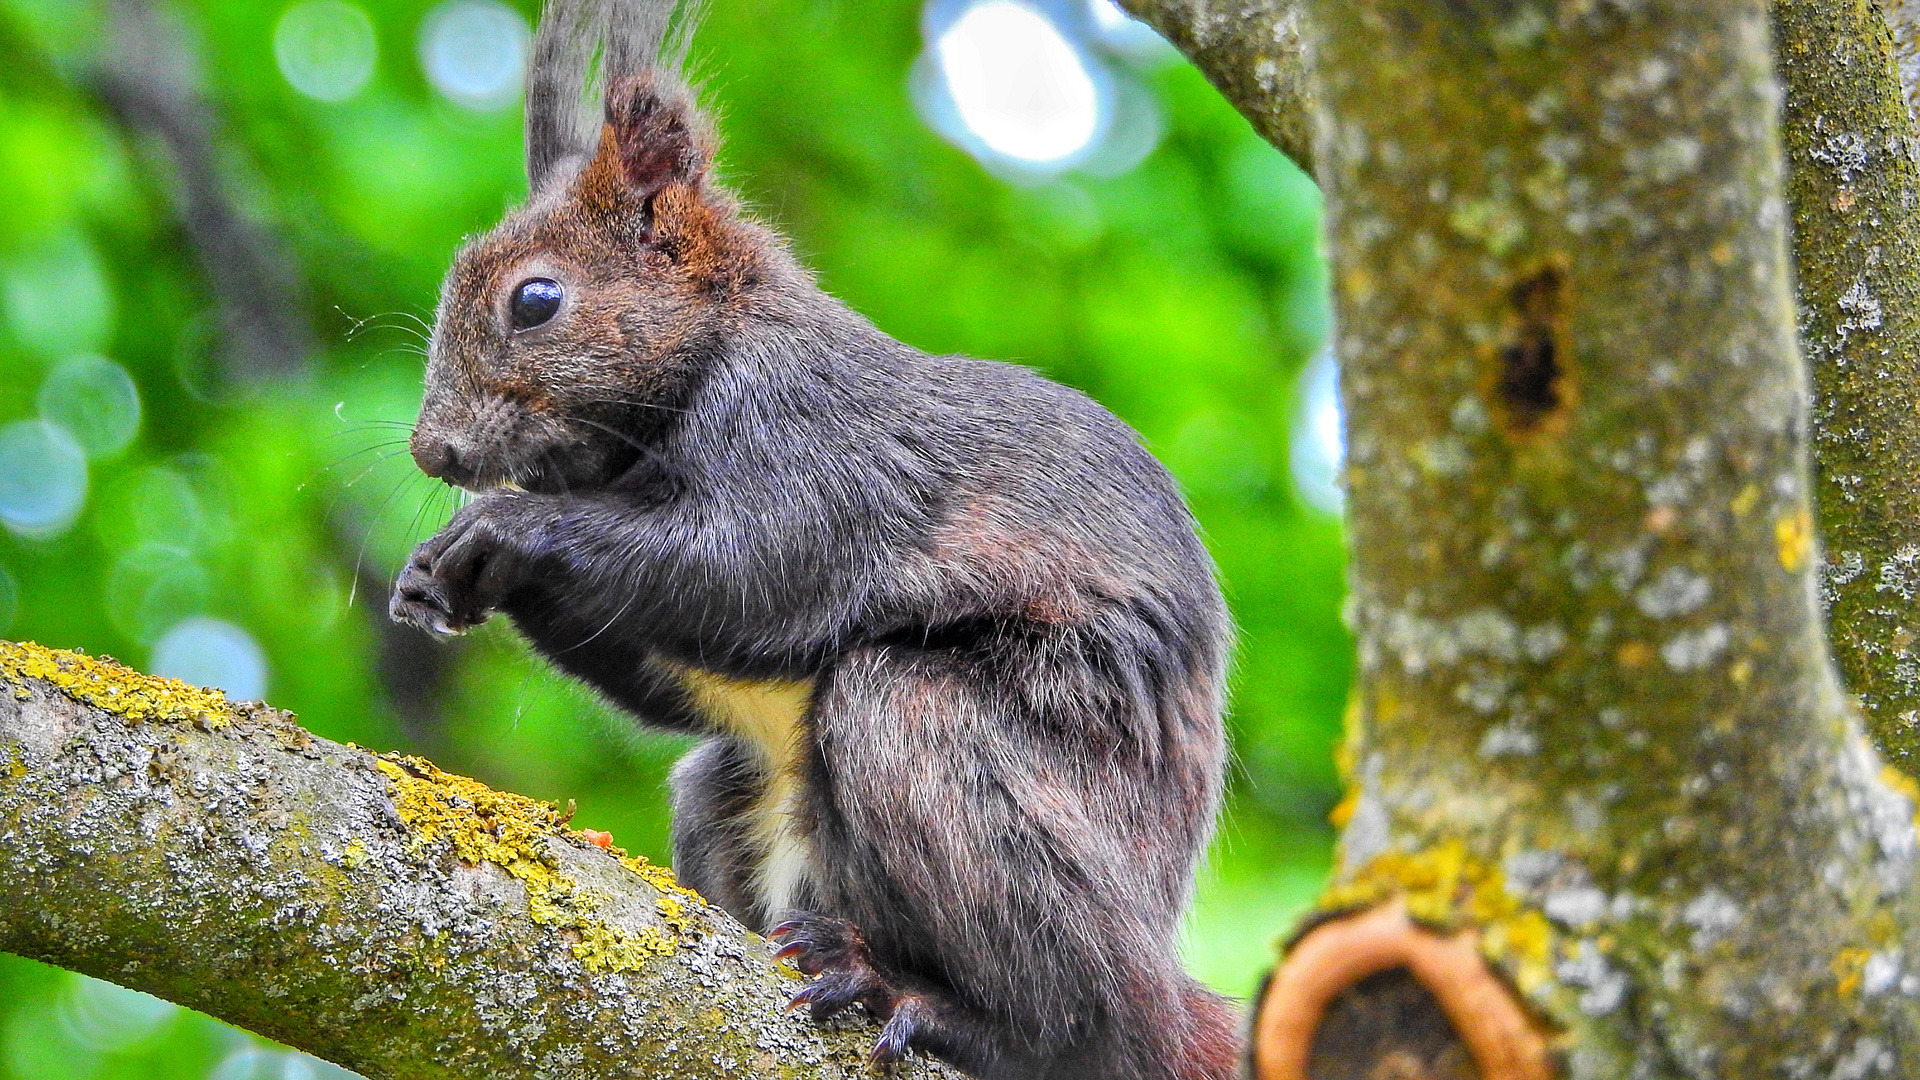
(436,457)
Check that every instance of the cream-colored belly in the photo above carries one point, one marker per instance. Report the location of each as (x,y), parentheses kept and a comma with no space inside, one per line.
(765,716)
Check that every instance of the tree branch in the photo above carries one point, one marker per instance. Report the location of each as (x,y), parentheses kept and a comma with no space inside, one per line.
(147,77)
(1903,20)
(369,910)
(1252,52)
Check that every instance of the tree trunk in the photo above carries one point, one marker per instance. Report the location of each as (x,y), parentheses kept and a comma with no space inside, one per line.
(1849,81)
(1596,724)
(1251,51)
(369,910)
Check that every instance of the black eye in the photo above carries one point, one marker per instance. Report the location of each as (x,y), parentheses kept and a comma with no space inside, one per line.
(534,302)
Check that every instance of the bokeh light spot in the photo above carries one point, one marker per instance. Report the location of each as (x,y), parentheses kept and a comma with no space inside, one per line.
(257,1063)
(58,300)
(153,588)
(166,509)
(110,1018)
(1122,33)
(213,652)
(95,400)
(325,48)
(475,52)
(38,1045)
(1319,445)
(43,477)
(1108,16)
(1018,84)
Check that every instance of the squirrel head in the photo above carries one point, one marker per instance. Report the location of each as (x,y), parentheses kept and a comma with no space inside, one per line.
(573,329)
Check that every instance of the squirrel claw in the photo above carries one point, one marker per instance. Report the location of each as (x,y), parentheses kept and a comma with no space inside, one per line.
(833,951)
(801,997)
(891,1047)
(834,992)
(912,1016)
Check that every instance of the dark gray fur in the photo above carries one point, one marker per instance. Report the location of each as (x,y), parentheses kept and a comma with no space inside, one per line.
(1013,752)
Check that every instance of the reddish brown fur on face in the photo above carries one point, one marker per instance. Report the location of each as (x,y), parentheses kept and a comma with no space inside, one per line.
(650,255)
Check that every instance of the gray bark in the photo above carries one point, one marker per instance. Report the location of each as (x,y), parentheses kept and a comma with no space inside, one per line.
(1851,73)
(1252,52)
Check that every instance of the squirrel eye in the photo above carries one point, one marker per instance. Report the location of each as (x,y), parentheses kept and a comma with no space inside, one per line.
(534,302)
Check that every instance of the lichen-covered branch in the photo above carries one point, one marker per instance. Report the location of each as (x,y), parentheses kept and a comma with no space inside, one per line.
(1251,51)
(1596,722)
(370,910)
(1854,185)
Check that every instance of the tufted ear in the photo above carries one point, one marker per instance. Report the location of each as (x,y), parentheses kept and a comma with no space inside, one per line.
(657,134)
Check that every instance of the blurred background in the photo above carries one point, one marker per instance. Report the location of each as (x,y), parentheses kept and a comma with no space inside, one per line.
(226,228)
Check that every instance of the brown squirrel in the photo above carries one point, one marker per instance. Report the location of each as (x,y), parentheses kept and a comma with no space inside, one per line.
(953,644)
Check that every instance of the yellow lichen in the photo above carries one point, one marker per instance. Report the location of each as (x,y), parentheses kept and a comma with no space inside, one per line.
(1744,502)
(106,685)
(512,832)
(1342,811)
(657,876)
(1905,785)
(1794,534)
(1849,967)
(1445,887)
(603,947)
(1346,754)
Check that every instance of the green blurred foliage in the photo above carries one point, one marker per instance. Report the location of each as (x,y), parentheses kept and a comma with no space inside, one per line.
(1185,293)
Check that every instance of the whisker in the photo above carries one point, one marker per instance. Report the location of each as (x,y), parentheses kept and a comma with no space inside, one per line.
(372,465)
(631,596)
(632,402)
(649,451)
(366,536)
(379,321)
(391,449)
(357,426)
(340,414)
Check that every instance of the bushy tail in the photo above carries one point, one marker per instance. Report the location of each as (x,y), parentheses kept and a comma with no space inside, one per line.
(1179,1032)
(1213,1036)
(581,48)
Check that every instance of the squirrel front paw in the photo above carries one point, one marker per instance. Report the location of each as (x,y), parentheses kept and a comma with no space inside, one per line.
(457,578)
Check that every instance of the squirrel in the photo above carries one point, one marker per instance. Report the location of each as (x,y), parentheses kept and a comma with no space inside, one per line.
(946,628)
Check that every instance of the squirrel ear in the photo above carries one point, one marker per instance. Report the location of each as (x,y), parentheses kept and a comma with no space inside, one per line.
(658,134)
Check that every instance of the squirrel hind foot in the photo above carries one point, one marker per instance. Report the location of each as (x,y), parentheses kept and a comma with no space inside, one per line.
(912,1017)
(834,952)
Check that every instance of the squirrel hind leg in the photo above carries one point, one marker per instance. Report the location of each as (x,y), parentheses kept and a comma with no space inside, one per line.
(914,1016)
(714,788)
